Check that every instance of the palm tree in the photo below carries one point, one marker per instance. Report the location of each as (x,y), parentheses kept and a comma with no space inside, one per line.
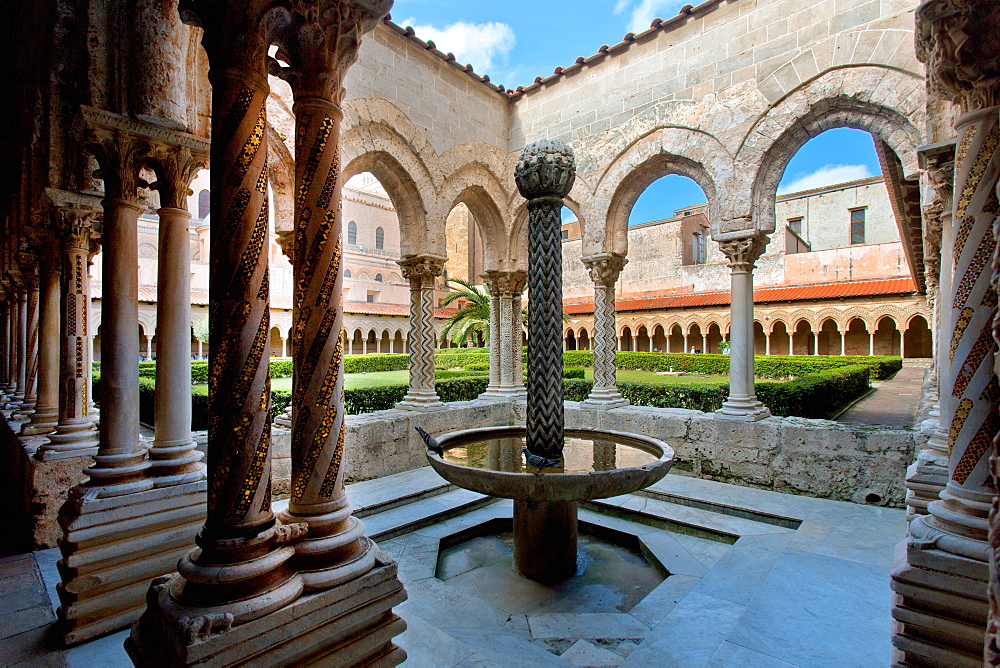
(473,316)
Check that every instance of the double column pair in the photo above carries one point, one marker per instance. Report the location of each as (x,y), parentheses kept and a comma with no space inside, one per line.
(505,288)
(253,570)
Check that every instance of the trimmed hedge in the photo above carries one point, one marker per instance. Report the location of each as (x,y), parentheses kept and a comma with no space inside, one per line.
(378,362)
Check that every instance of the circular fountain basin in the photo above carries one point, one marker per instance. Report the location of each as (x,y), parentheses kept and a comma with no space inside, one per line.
(597,464)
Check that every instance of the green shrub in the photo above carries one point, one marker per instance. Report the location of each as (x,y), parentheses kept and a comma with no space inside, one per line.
(574,372)
(447,374)
(377,362)
(369,399)
(478,366)
(461,389)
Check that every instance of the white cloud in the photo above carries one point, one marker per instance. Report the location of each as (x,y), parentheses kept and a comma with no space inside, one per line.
(647,10)
(621,6)
(827,175)
(483,45)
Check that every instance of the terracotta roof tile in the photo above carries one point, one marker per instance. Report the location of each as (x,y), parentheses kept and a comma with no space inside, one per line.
(783,293)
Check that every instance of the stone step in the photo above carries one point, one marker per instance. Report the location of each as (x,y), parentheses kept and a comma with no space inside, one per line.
(694,501)
(681,518)
(420,514)
(392,491)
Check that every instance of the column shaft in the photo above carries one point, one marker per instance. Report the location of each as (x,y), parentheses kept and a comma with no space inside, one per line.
(46,414)
(30,334)
(21,348)
(421,270)
(604,271)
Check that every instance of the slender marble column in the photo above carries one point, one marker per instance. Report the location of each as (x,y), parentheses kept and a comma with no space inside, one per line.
(511,367)
(75,434)
(120,465)
(320,46)
(173,457)
(950,577)
(46,415)
(604,270)
(742,253)
(492,282)
(29,332)
(5,351)
(20,348)
(545,173)
(421,271)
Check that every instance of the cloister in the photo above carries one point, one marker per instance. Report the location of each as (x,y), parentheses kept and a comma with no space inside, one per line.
(285,101)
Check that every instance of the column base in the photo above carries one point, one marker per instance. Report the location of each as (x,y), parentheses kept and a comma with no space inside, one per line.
(351,624)
(44,420)
(747,411)
(605,397)
(512,392)
(925,479)
(112,548)
(418,400)
(70,439)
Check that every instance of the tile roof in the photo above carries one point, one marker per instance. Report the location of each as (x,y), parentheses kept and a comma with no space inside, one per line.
(783,293)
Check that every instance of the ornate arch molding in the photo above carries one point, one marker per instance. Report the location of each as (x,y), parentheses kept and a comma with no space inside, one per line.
(477,186)
(877,99)
(670,150)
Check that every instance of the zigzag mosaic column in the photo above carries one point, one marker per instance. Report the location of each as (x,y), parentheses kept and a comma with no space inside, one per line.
(173,456)
(942,602)
(545,173)
(421,271)
(75,434)
(46,414)
(321,45)
(742,252)
(604,270)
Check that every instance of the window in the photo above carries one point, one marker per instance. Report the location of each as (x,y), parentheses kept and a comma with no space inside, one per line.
(795,225)
(352,233)
(379,238)
(370,298)
(204,204)
(378,278)
(857,226)
(698,247)
(347,273)
(565,235)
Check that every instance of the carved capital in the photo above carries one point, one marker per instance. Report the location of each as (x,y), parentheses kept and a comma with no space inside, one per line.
(120,156)
(546,168)
(175,169)
(421,269)
(236,32)
(286,240)
(318,41)
(75,226)
(956,39)
(743,252)
(505,282)
(605,268)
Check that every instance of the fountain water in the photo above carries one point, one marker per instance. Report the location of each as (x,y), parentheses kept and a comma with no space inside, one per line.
(590,463)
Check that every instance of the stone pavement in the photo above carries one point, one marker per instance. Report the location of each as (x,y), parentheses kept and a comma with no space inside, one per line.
(752,577)
(894,402)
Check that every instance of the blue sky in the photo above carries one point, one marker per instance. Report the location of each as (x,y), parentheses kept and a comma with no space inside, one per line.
(516,41)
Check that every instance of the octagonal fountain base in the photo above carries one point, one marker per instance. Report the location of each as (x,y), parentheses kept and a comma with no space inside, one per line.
(594,465)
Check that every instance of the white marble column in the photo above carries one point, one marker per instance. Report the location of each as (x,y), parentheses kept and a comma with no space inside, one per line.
(75,434)
(604,269)
(46,414)
(491,281)
(843,342)
(173,457)
(421,271)
(742,252)
(29,334)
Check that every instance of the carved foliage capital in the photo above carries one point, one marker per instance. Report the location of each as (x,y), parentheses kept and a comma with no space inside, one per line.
(956,39)
(546,168)
(176,168)
(421,268)
(605,268)
(505,282)
(319,41)
(75,226)
(120,156)
(742,253)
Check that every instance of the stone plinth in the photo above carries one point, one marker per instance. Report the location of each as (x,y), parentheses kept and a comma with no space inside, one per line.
(113,547)
(348,625)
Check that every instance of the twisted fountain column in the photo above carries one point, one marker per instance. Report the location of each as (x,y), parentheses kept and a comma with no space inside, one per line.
(421,271)
(604,270)
(173,458)
(320,43)
(742,252)
(75,434)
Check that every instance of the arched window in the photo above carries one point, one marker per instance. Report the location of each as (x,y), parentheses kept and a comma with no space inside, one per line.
(378,278)
(379,238)
(347,273)
(352,233)
(204,204)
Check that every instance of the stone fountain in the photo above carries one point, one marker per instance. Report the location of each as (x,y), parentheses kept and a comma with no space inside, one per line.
(591,464)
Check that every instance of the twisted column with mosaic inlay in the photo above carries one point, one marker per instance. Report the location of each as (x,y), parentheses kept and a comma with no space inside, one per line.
(75,434)
(421,271)
(604,270)
(173,457)
(120,464)
(319,42)
(742,251)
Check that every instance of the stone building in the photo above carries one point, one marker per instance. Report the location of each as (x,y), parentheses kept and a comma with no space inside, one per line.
(819,288)
(285,102)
